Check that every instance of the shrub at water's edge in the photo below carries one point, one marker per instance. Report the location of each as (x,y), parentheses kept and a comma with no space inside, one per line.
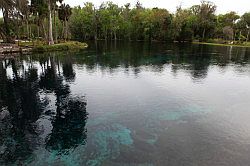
(72,45)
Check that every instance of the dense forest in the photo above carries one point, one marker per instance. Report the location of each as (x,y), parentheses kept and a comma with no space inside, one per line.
(52,21)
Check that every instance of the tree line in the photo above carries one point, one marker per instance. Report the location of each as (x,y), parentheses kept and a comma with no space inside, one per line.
(47,20)
(32,19)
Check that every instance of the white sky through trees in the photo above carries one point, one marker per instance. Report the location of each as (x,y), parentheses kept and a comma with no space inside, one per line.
(223,6)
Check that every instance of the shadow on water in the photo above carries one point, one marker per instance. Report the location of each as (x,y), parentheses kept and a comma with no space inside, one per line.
(25,99)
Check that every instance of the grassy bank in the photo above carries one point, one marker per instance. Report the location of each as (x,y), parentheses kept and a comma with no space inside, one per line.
(246,44)
(40,46)
(67,46)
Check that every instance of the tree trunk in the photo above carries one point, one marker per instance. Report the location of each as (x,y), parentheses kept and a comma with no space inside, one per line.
(18,33)
(203,34)
(247,35)
(96,35)
(44,30)
(66,29)
(63,29)
(150,35)
(38,32)
(27,29)
(106,34)
(1,33)
(240,37)
(234,36)
(115,35)
(30,33)
(51,40)
(55,25)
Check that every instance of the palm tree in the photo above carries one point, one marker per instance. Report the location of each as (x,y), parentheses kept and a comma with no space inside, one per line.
(64,14)
(39,10)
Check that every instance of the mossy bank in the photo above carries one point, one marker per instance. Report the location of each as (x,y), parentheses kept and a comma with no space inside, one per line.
(72,45)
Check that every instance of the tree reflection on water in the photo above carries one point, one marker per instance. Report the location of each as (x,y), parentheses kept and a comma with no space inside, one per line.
(40,112)
(22,106)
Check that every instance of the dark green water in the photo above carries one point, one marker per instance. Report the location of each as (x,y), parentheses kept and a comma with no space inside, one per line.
(127,104)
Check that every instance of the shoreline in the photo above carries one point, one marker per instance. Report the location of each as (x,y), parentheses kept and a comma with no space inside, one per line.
(7,49)
(222,45)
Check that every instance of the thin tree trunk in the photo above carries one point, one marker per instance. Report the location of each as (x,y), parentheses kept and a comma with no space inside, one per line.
(63,29)
(18,35)
(115,35)
(51,40)
(27,29)
(38,32)
(240,37)
(95,23)
(106,34)
(96,35)
(30,32)
(150,35)
(55,25)
(66,29)
(234,36)
(1,33)
(247,35)
(44,31)
(203,34)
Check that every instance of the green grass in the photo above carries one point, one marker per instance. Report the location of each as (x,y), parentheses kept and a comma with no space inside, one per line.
(71,45)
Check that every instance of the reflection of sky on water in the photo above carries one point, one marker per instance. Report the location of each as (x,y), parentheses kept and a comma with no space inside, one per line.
(127,105)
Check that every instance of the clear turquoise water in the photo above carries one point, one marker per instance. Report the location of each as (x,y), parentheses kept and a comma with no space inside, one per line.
(127,104)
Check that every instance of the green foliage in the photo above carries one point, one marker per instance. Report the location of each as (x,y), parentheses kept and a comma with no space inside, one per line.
(39,7)
(184,23)
(59,47)
(246,18)
(206,19)
(43,19)
(113,22)
(64,12)
(82,22)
